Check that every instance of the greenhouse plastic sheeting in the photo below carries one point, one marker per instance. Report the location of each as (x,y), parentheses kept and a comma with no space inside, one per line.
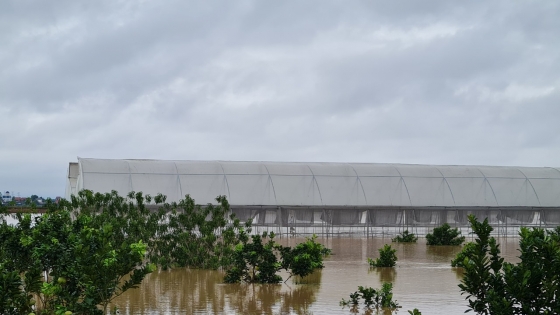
(324,184)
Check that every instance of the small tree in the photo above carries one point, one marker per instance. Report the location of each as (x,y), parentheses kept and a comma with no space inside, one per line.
(96,246)
(529,287)
(255,261)
(387,257)
(70,259)
(85,264)
(304,258)
(195,236)
(445,235)
(260,260)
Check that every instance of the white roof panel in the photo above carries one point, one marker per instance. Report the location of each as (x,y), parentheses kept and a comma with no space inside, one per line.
(327,184)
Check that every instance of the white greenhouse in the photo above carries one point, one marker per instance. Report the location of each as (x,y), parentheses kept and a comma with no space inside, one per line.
(339,197)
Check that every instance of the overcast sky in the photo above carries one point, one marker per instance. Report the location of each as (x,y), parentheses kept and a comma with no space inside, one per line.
(422,82)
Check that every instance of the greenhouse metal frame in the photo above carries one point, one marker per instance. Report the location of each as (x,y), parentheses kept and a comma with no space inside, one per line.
(340,198)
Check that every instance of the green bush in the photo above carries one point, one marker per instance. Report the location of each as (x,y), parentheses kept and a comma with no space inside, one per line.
(255,261)
(445,235)
(373,298)
(195,236)
(528,287)
(466,252)
(387,257)
(97,246)
(260,260)
(13,296)
(88,261)
(304,258)
(405,237)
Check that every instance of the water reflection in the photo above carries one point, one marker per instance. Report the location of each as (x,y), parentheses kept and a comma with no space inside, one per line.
(371,311)
(271,298)
(459,273)
(425,281)
(189,290)
(314,278)
(407,251)
(192,291)
(442,253)
(386,274)
(299,300)
(254,298)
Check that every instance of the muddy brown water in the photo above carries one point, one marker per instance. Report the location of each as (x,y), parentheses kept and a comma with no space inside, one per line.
(423,279)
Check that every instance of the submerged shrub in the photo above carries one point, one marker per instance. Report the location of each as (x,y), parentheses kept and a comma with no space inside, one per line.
(467,251)
(445,235)
(373,298)
(387,257)
(261,259)
(255,261)
(405,237)
(304,258)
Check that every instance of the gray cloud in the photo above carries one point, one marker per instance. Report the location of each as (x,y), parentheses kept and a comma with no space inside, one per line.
(432,82)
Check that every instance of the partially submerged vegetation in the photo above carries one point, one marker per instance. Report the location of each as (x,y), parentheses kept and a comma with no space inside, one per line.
(531,286)
(405,237)
(72,258)
(82,253)
(261,260)
(387,257)
(377,299)
(445,235)
(461,259)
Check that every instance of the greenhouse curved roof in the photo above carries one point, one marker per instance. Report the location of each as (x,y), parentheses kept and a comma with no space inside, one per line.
(322,184)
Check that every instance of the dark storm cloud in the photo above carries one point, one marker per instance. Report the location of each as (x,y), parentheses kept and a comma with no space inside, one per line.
(399,81)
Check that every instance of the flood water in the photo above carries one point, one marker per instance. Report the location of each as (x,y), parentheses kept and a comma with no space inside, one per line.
(423,279)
